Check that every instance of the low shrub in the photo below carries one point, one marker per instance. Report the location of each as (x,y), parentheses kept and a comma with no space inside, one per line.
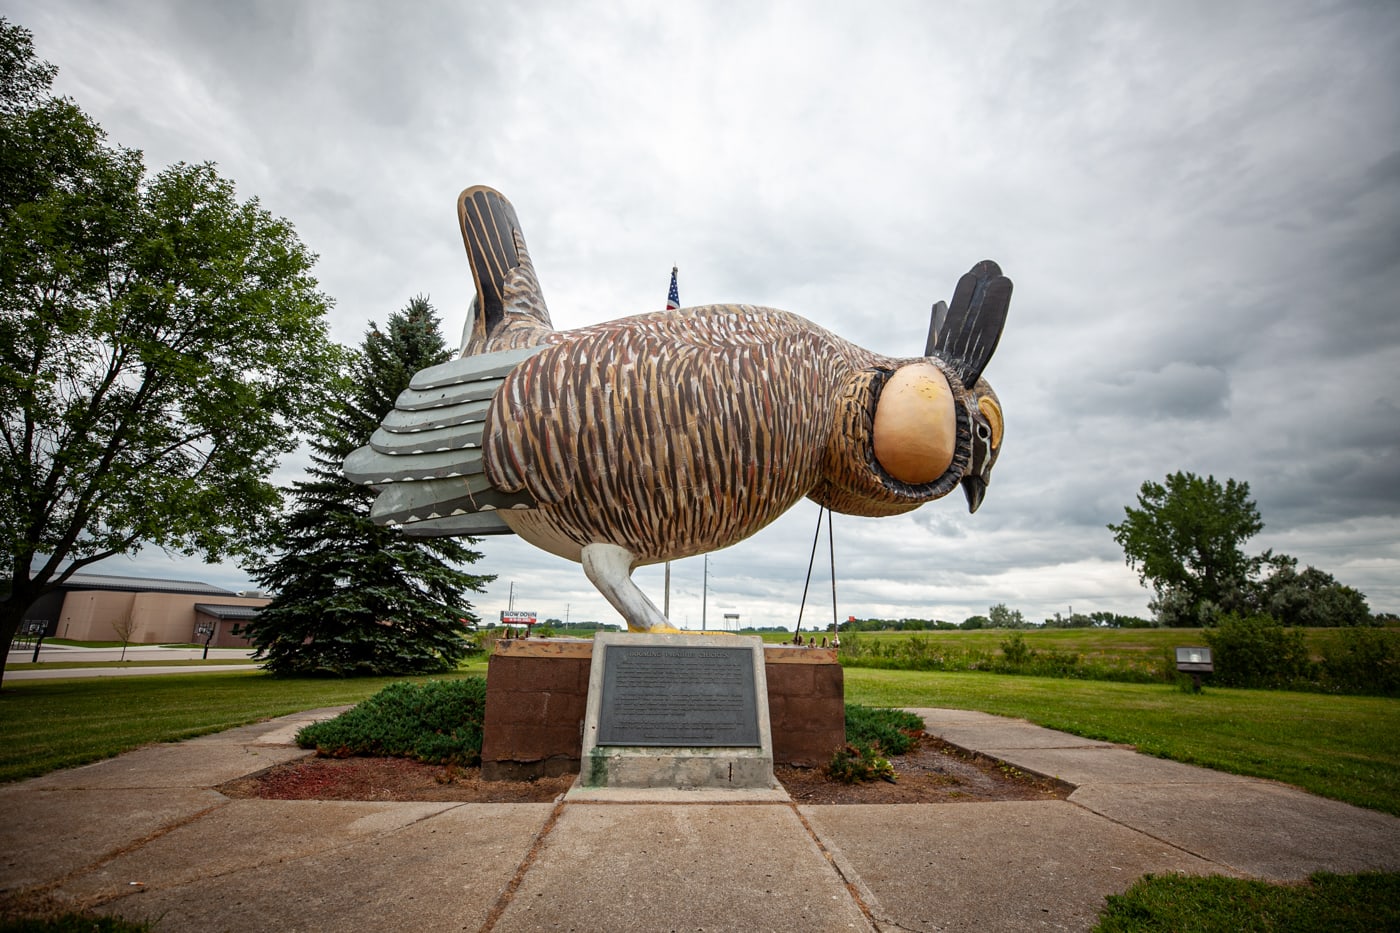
(872,733)
(1256,651)
(438,721)
(1366,660)
(893,730)
(1014,649)
(854,764)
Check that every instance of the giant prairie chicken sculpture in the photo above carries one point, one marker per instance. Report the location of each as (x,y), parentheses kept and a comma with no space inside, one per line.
(670,434)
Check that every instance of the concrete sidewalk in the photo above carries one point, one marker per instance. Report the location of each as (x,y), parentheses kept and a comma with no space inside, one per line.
(144,835)
(157,661)
(68,673)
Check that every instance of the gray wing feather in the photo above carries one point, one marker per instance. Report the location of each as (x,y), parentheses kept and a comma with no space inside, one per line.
(472,523)
(426,459)
(411,422)
(404,503)
(370,467)
(471,368)
(452,437)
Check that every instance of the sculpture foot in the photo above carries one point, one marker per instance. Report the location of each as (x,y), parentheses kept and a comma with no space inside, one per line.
(609,568)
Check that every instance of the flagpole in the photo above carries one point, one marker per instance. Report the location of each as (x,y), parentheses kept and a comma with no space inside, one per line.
(673,303)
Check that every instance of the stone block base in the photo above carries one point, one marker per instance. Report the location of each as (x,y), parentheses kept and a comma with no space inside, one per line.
(537,692)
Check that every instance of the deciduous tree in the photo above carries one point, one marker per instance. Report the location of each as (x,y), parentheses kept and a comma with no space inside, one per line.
(1186,539)
(160,344)
(1002,616)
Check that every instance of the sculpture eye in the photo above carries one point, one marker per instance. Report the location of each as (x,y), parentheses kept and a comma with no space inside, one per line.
(983,431)
(992,412)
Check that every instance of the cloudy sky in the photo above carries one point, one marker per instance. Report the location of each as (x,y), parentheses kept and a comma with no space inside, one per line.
(1199,204)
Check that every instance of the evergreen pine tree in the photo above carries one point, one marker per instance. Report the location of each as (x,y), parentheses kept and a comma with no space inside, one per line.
(353,598)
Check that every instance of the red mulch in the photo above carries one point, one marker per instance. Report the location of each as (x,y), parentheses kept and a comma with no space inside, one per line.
(931,772)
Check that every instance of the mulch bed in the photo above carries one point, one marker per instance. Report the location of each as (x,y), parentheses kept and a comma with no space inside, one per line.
(931,772)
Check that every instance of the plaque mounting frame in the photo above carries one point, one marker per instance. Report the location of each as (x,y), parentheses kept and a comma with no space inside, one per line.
(680,764)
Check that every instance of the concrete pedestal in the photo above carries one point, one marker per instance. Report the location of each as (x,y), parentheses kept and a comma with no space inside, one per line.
(670,762)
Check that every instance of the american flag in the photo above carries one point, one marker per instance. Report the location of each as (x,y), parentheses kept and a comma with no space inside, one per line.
(673,297)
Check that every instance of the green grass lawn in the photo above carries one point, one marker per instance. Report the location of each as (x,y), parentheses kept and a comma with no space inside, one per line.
(1344,747)
(50,724)
(1361,903)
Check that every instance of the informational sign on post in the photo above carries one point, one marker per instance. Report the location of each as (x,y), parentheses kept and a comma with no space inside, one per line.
(517,617)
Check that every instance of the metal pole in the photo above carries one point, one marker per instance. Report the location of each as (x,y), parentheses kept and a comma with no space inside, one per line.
(666,604)
(705,594)
(831,546)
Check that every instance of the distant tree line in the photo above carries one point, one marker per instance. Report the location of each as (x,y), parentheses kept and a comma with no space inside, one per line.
(999,616)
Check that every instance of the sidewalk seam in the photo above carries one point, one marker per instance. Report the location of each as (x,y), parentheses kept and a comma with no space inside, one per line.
(131,846)
(849,879)
(508,893)
(1158,839)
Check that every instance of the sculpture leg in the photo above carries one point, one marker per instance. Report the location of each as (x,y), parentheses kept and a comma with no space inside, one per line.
(609,567)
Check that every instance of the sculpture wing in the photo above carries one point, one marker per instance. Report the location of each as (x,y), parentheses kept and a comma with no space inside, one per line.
(426,457)
(966,335)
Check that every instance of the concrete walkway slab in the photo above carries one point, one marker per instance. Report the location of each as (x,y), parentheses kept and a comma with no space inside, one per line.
(972,730)
(1022,865)
(1256,828)
(444,872)
(47,835)
(688,795)
(1100,765)
(620,867)
(75,673)
(280,731)
(185,764)
(244,834)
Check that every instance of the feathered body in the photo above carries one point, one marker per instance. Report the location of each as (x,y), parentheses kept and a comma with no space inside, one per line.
(670,434)
(675,433)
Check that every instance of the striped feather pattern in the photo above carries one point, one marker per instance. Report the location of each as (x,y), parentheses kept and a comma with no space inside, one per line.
(674,433)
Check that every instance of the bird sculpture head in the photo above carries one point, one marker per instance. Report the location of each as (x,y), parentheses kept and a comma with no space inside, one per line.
(669,434)
(910,430)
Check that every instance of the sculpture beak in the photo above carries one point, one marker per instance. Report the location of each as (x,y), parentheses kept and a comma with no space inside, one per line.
(975,488)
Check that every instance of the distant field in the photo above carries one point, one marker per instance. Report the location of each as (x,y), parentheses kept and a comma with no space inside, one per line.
(1119,642)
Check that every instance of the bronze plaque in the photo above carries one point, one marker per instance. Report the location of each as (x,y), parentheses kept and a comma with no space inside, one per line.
(678,696)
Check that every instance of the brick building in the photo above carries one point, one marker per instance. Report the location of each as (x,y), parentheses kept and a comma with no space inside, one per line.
(93,607)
